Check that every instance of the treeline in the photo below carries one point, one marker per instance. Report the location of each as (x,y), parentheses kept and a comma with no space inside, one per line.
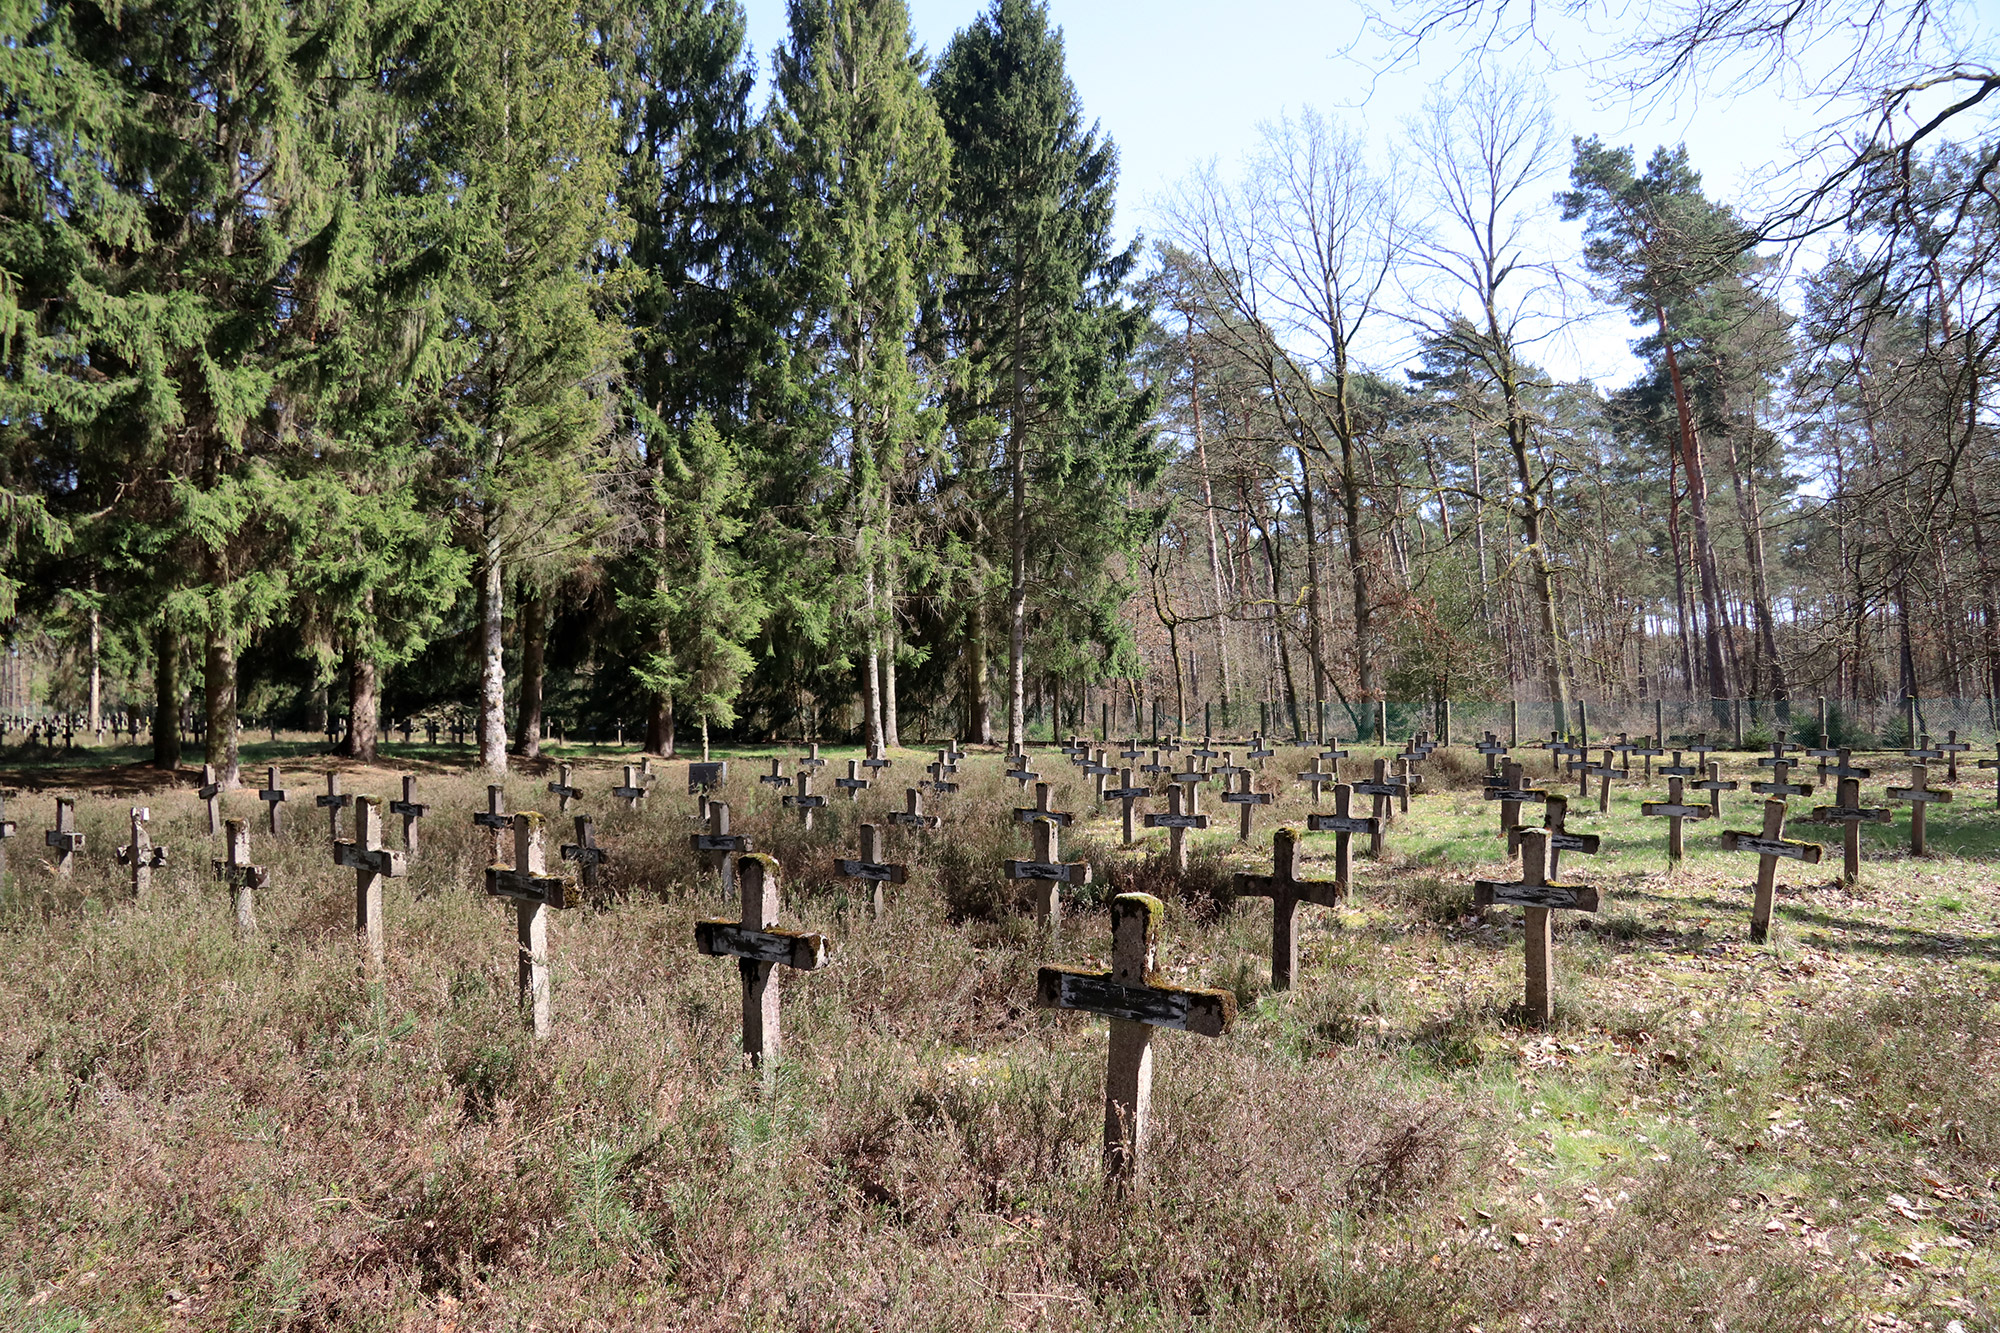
(475,350)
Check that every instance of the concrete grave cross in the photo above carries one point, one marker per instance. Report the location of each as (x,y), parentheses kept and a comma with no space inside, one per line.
(870,867)
(566,791)
(939,782)
(633,789)
(1407,780)
(1177,821)
(141,854)
(1513,791)
(411,809)
(1715,786)
(1125,793)
(1332,754)
(1919,794)
(1850,814)
(1131,749)
(1492,749)
(1099,769)
(912,814)
(875,762)
(585,852)
(1952,747)
(333,802)
(718,846)
(496,821)
(1924,749)
(1047,871)
(1017,769)
(242,878)
(853,784)
(1674,810)
(534,891)
(1136,1000)
(1781,783)
(1343,825)
(945,766)
(1538,895)
(1604,770)
(1583,768)
(1555,822)
(1202,751)
(705,778)
(1320,779)
(1248,800)
(407,729)
(210,791)
(1156,766)
(1845,768)
(1647,751)
(273,796)
(371,864)
(1260,749)
(1382,789)
(1770,845)
(759,946)
(812,762)
(1679,770)
(1041,810)
(774,778)
(64,838)
(1994,764)
(1287,891)
(804,801)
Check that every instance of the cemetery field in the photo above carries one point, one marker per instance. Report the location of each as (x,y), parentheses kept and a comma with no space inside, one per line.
(203,1128)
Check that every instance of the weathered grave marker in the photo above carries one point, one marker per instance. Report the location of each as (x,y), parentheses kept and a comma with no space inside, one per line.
(210,791)
(534,891)
(371,864)
(1770,846)
(273,796)
(496,821)
(1320,779)
(1492,749)
(1993,763)
(1512,791)
(759,946)
(1850,814)
(1248,800)
(1781,783)
(1604,770)
(585,852)
(333,802)
(1715,786)
(1674,810)
(774,778)
(1177,821)
(242,878)
(853,784)
(1555,822)
(1132,996)
(141,854)
(1047,871)
(718,846)
(1383,790)
(633,789)
(1343,825)
(411,810)
(1538,896)
(1951,747)
(566,791)
(64,838)
(1287,892)
(804,801)
(872,869)
(812,762)
(705,778)
(1918,795)
(912,814)
(1125,793)
(939,782)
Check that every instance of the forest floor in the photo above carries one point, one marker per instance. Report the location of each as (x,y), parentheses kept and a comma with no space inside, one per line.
(200,1132)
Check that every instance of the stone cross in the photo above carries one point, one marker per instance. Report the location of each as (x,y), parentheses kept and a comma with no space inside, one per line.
(1248,799)
(1512,790)
(875,762)
(1177,821)
(64,838)
(1769,845)
(1097,768)
(1136,1000)
(242,878)
(1715,786)
(853,784)
(1555,822)
(585,852)
(1017,769)
(210,791)
(912,814)
(1952,747)
(633,789)
(872,868)
(1382,789)
(1674,810)
(1848,812)
(273,796)
(812,761)
(1041,810)
(1679,770)
(1994,764)
(1287,891)
(1536,893)
(1047,871)
(565,792)
(411,809)
(805,802)
(1320,779)
(704,778)
(333,802)
(1156,767)
(1924,749)
(758,946)
(940,782)
(1125,793)
(141,854)
(1492,749)
(534,892)
(718,846)
(1780,783)
(1918,794)
(1604,770)
(1647,751)
(774,778)
(371,864)
(496,822)
(1260,749)
(1343,825)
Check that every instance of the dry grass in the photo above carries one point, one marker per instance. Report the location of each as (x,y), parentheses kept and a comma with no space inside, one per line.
(202,1132)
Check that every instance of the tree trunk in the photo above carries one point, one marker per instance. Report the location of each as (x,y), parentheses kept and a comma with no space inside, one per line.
(219,685)
(492,662)
(533,617)
(1208,513)
(166,698)
(363,708)
(1704,549)
(1017,583)
(96,667)
(660,725)
(1315,609)
(978,704)
(1751,511)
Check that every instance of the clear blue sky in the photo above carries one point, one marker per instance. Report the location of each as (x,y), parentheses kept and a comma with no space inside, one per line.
(1178,82)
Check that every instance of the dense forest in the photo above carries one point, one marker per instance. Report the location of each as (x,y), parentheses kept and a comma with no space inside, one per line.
(532,363)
